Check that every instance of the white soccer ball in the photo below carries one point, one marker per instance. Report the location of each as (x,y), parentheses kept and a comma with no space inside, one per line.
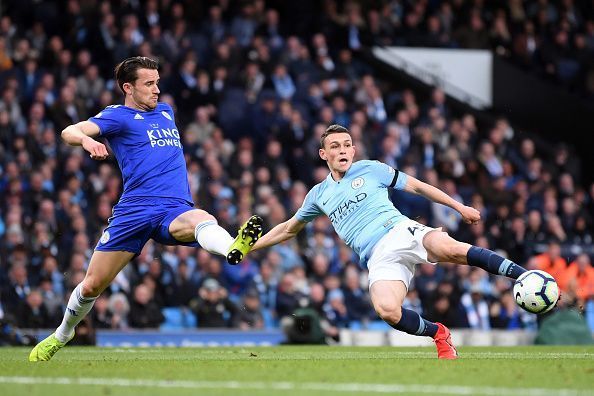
(536,291)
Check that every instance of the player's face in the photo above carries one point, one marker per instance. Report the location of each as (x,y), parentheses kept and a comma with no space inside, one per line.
(338,152)
(144,92)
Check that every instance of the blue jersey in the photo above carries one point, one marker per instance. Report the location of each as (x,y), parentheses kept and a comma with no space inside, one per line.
(358,205)
(148,149)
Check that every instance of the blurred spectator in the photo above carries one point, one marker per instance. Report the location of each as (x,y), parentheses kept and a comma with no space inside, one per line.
(474,35)
(476,307)
(427,279)
(443,215)
(119,309)
(238,277)
(183,288)
(52,301)
(506,314)
(336,311)
(282,82)
(442,311)
(356,300)
(317,303)
(551,261)
(101,315)
(16,290)
(287,298)
(212,307)
(266,283)
(578,279)
(250,315)
(200,129)
(444,305)
(144,312)
(33,314)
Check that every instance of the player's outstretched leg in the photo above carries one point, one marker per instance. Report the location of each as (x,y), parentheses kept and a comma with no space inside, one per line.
(387,297)
(47,348)
(443,342)
(493,263)
(443,248)
(247,236)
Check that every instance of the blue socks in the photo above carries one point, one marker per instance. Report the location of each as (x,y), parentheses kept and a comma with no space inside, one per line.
(412,323)
(493,263)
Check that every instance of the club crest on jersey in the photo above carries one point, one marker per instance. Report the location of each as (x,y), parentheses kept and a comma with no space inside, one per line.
(166,115)
(105,237)
(357,183)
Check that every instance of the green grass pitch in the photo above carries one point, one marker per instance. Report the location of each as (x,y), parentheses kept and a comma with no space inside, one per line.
(296,370)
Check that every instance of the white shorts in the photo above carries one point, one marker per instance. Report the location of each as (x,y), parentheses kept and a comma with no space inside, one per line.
(395,256)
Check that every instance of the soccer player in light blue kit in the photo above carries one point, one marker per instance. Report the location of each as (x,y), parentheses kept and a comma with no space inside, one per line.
(156,202)
(355,198)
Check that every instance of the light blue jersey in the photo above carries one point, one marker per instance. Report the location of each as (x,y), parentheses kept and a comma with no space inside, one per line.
(358,205)
(148,149)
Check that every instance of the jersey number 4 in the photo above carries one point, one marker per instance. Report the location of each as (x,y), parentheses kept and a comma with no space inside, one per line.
(412,230)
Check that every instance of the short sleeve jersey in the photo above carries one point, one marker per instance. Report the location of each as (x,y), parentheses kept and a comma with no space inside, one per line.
(358,205)
(148,149)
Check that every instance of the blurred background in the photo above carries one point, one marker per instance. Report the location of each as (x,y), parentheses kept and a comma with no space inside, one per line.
(490,101)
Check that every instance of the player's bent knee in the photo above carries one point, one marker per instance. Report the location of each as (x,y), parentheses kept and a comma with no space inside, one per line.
(185,223)
(198,216)
(390,313)
(91,288)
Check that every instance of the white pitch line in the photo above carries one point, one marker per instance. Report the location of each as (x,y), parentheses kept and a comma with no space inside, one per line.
(306,386)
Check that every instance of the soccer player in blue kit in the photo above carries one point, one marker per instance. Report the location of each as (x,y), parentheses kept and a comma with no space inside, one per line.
(355,198)
(156,202)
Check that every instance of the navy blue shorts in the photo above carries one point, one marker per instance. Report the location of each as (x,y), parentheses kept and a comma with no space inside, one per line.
(138,219)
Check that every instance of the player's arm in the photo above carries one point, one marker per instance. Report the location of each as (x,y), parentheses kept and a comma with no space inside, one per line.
(469,215)
(280,233)
(82,134)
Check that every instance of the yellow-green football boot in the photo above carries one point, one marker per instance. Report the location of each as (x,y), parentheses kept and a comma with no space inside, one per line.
(47,348)
(247,236)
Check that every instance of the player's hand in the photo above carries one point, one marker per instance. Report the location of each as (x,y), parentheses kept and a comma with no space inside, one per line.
(470,215)
(96,150)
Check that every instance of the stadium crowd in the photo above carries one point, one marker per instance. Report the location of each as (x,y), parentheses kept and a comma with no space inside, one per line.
(254,85)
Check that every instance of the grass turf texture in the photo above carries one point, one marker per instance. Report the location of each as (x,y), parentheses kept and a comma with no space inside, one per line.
(294,370)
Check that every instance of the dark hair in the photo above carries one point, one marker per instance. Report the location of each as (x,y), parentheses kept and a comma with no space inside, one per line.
(126,71)
(334,128)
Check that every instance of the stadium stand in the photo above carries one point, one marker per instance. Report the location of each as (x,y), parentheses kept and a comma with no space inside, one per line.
(254,84)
